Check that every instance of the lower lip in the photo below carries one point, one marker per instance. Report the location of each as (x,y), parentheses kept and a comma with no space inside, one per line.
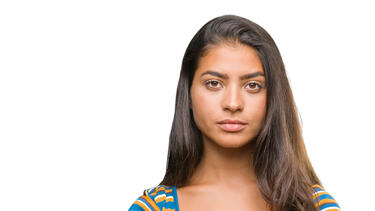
(232,127)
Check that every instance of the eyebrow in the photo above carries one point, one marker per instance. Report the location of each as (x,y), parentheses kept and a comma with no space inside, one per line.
(225,76)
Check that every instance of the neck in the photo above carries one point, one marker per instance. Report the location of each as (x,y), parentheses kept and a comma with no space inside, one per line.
(230,167)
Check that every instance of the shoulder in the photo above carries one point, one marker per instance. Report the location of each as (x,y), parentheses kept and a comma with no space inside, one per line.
(323,200)
(156,198)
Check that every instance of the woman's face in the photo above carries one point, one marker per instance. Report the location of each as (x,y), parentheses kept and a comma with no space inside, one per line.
(229,84)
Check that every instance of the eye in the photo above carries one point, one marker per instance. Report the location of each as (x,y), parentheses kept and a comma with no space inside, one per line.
(254,86)
(212,84)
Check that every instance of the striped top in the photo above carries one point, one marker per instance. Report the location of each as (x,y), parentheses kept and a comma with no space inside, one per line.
(164,198)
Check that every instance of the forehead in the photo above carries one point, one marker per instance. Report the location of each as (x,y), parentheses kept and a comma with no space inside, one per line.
(230,59)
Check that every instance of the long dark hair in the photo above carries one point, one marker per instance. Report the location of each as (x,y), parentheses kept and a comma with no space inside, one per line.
(284,173)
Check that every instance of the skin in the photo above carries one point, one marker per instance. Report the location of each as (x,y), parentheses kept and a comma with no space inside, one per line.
(225,179)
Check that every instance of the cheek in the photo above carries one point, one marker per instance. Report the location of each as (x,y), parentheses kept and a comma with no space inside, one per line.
(257,108)
(204,107)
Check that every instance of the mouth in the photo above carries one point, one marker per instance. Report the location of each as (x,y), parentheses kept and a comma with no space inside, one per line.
(231,125)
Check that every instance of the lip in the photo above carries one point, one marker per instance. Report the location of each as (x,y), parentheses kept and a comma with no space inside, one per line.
(231,121)
(231,125)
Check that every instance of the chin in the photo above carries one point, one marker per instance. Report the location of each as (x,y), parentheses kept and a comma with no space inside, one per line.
(231,146)
(232,143)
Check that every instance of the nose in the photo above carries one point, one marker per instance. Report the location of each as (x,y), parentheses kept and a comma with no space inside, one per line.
(232,99)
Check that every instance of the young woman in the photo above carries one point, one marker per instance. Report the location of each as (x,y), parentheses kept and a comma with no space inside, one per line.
(236,140)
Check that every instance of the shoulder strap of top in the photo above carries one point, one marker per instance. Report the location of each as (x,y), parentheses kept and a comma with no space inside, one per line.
(323,200)
(159,198)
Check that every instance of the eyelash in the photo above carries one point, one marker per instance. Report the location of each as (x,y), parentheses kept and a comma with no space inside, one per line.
(252,82)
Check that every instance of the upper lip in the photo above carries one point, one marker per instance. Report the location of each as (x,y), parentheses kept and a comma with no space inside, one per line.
(231,121)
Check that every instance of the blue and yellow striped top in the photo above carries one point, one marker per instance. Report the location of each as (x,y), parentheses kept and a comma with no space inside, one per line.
(164,198)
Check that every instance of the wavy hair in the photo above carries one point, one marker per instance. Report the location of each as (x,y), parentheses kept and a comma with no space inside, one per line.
(283,170)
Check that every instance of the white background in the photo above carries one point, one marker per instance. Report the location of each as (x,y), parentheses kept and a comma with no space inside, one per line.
(87,93)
